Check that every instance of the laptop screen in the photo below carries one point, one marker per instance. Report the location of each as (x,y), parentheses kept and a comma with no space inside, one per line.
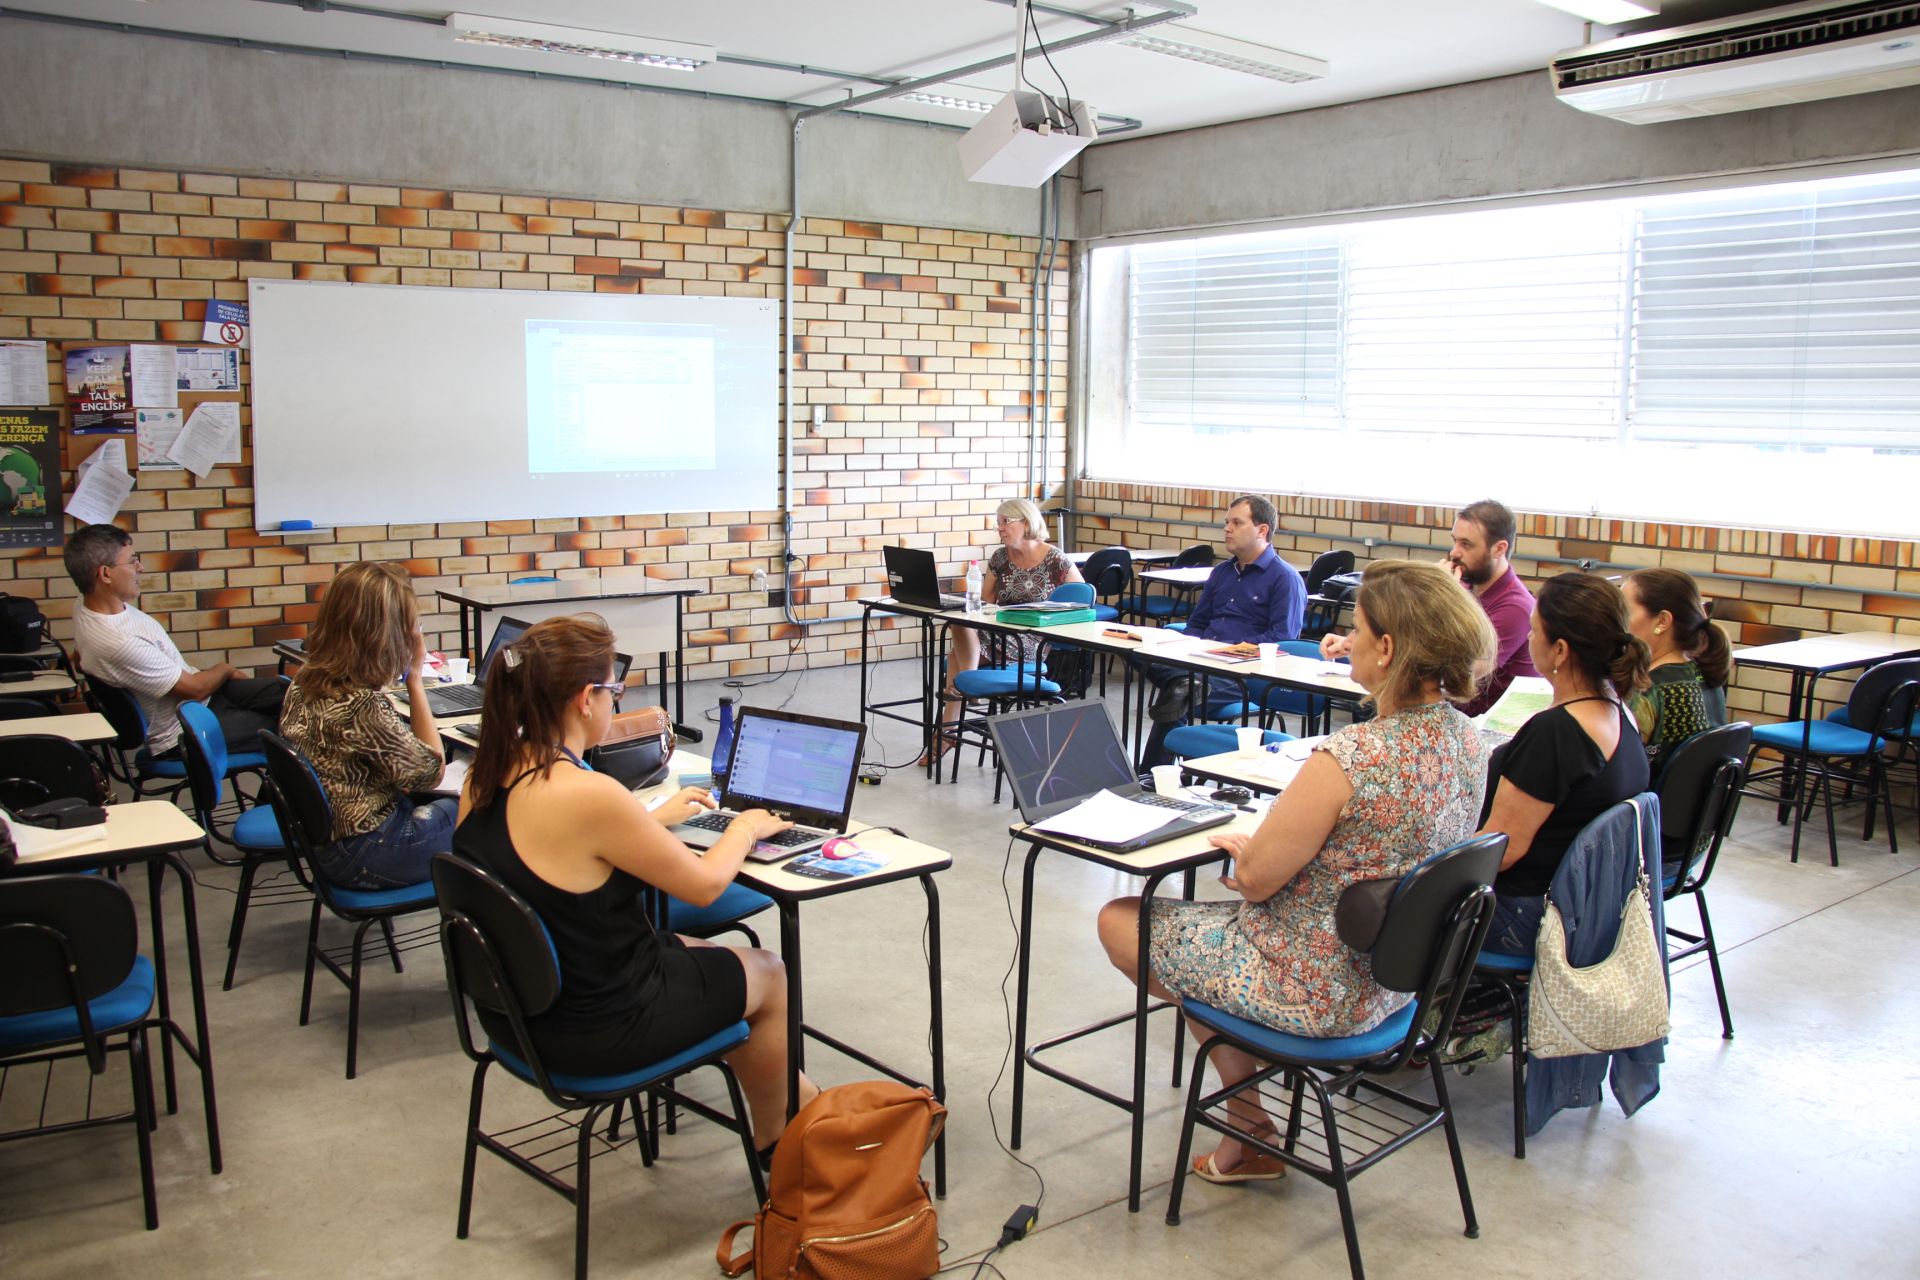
(1057,756)
(509,630)
(793,763)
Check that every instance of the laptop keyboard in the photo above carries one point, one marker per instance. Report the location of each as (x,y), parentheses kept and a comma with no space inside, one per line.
(1168,802)
(785,839)
(461,697)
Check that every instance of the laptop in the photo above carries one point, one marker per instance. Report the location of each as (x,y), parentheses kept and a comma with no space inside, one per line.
(465,699)
(1058,755)
(802,768)
(914,578)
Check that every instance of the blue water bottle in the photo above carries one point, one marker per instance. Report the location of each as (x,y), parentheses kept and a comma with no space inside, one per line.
(723,745)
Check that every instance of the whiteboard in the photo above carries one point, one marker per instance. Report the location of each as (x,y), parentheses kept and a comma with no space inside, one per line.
(396,404)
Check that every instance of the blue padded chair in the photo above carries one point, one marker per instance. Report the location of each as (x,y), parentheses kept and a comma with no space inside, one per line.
(1882,702)
(1003,688)
(306,820)
(255,833)
(500,957)
(1315,711)
(1110,572)
(131,762)
(1434,926)
(76,983)
(1699,791)
(37,767)
(1322,613)
(1190,741)
(1165,606)
(728,911)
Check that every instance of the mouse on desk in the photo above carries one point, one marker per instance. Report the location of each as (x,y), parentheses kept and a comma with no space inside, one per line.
(1232,795)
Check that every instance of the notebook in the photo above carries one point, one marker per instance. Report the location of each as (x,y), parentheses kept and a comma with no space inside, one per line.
(802,768)
(1059,755)
(914,578)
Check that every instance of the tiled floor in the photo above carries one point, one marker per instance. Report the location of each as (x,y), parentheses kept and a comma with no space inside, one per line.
(1787,1151)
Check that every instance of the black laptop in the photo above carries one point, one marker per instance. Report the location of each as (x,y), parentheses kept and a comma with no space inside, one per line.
(465,699)
(1058,755)
(801,768)
(913,577)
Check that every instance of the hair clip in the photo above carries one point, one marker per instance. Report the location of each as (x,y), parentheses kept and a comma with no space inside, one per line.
(510,656)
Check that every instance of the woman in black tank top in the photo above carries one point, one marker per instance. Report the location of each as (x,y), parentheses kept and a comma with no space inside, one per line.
(580,848)
(1572,761)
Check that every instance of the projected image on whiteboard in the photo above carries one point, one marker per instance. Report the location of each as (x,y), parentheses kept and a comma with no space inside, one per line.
(625,398)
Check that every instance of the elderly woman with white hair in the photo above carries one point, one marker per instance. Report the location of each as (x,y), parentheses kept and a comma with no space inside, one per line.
(1024,568)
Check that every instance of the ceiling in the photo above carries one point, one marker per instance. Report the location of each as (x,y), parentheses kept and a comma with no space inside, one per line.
(1375,47)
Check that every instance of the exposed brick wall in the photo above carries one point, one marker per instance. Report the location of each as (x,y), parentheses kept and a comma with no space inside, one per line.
(1779,586)
(914,339)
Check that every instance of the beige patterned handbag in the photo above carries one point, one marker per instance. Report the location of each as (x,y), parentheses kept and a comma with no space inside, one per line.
(1619,1003)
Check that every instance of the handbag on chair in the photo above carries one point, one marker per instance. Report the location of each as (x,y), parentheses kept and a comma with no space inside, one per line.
(636,749)
(1619,1003)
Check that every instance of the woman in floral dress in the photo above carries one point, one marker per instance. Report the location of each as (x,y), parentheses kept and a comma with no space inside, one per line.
(1371,802)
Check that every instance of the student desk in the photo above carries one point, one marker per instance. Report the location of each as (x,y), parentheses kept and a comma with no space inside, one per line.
(646,616)
(1810,660)
(1258,771)
(907,859)
(86,727)
(288,651)
(1152,864)
(1151,556)
(1179,582)
(155,832)
(46,686)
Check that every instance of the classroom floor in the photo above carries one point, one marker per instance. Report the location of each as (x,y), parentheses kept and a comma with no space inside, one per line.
(1786,1151)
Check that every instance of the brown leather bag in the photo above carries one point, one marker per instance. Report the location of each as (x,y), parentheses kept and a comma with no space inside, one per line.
(846,1200)
(637,747)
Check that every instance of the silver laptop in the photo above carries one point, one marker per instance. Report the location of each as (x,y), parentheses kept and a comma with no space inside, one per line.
(802,768)
(1058,755)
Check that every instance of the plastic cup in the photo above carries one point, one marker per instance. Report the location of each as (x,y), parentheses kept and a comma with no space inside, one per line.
(1166,779)
(458,668)
(1269,651)
(1249,738)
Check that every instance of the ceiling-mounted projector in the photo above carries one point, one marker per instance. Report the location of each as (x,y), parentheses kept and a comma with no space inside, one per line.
(1024,141)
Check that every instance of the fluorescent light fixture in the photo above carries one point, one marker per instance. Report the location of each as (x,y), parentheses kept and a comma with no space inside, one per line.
(942,100)
(1610,13)
(1229,54)
(611,46)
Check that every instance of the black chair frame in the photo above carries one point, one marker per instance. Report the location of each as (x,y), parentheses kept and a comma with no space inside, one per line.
(1440,962)
(130,738)
(306,823)
(66,940)
(37,767)
(475,972)
(1698,803)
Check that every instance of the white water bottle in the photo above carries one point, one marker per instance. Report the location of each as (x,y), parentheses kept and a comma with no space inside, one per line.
(973,586)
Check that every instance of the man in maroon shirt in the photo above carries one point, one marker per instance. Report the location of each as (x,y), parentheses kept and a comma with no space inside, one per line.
(1482,543)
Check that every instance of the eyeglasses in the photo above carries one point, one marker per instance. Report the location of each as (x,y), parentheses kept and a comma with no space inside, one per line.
(616,687)
(133,560)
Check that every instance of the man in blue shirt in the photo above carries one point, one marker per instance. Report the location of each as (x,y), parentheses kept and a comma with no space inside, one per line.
(1254,597)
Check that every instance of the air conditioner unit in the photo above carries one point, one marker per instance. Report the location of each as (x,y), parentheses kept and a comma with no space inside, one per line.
(1795,53)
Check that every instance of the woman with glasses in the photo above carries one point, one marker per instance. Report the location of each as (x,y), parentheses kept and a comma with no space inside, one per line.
(1025,567)
(371,759)
(581,848)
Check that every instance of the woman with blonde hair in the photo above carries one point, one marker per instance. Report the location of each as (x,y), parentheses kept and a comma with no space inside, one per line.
(581,848)
(1025,567)
(338,712)
(1371,802)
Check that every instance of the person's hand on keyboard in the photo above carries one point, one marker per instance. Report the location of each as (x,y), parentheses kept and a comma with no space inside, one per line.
(683,804)
(759,824)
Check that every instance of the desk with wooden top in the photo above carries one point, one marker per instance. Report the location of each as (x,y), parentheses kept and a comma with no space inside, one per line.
(84,727)
(1152,864)
(906,859)
(637,608)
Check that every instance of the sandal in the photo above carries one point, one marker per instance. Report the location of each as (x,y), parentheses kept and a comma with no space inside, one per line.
(944,741)
(1258,1168)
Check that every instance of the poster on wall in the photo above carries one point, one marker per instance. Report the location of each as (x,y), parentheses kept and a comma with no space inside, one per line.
(29,477)
(100,389)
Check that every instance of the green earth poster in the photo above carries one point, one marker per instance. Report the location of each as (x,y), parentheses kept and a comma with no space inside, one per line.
(29,478)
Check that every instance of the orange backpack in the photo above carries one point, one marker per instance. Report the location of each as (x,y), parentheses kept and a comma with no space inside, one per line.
(846,1200)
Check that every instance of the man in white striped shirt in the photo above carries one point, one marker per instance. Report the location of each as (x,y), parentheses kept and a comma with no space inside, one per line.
(126,648)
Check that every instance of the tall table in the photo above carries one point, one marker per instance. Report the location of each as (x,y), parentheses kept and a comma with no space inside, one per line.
(906,859)
(637,609)
(155,832)
(1153,865)
(1810,660)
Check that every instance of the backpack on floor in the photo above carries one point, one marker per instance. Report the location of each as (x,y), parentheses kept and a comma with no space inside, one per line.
(846,1200)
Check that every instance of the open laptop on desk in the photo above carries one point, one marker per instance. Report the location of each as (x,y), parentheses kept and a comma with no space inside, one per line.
(802,768)
(1059,755)
(914,578)
(465,699)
